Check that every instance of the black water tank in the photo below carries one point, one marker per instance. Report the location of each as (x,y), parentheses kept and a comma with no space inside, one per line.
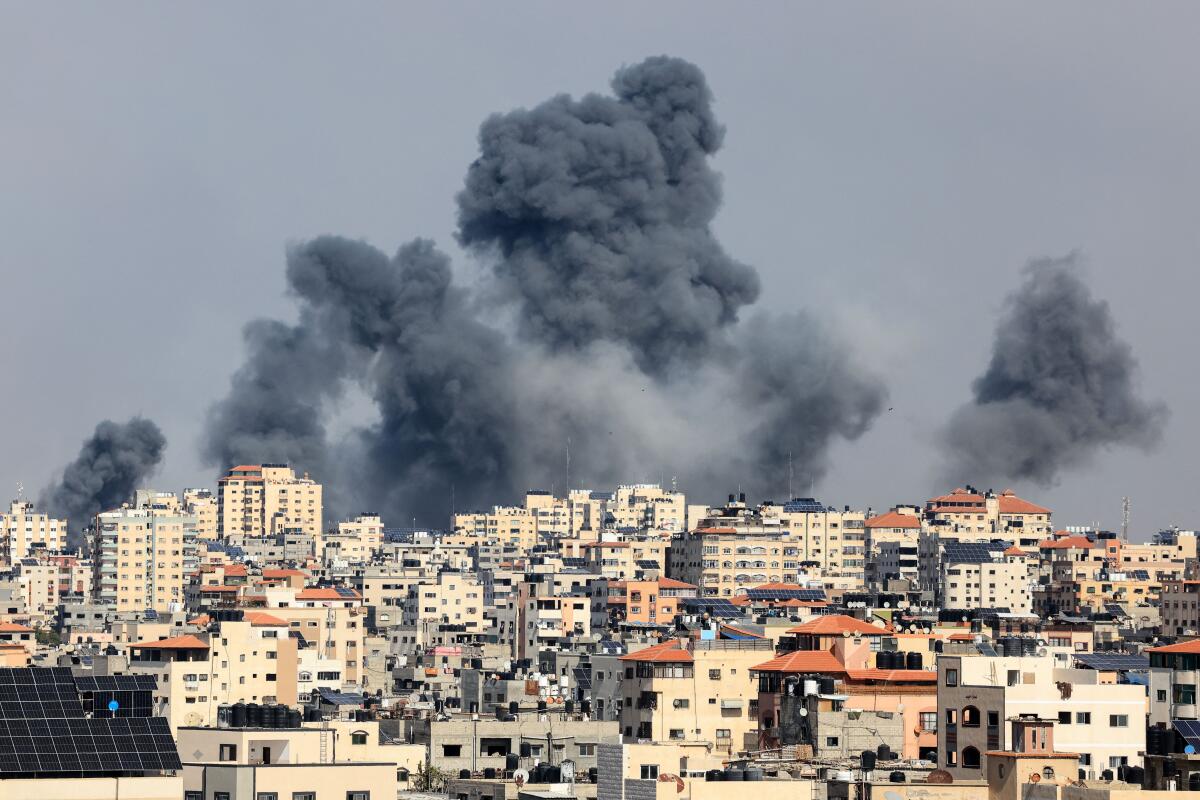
(735,774)
(867,759)
(551,774)
(1107,775)
(464,774)
(586,706)
(254,715)
(569,706)
(501,712)
(526,750)
(512,762)
(237,715)
(1135,775)
(294,718)
(883,659)
(754,774)
(541,705)
(281,716)
(476,663)
(884,753)
(489,773)
(514,707)
(593,774)
(896,777)
(1029,647)
(714,775)
(1156,739)
(914,660)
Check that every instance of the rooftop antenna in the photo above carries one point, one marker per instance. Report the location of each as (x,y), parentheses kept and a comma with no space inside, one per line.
(568,463)
(20,489)
(1125,518)
(791,476)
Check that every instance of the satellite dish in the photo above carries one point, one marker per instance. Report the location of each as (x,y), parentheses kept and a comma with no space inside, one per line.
(520,777)
(804,712)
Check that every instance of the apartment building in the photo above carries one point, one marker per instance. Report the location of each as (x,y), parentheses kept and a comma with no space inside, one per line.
(451,598)
(1180,607)
(987,575)
(267,499)
(967,512)
(24,532)
(1096,715)
(202,505)
(693,691)
(508,525)
(355,542)
(138,557)
(630,559)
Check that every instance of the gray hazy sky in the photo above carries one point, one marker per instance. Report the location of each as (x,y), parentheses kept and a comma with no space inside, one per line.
(890,166)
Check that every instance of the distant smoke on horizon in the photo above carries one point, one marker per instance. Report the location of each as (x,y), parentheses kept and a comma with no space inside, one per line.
(113,462)
(1060,386)
(594,216)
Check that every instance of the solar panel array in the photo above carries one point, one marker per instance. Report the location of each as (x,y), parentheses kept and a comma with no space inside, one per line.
(1121,661)
(786,594)
(1189,729)
(646,563)
(802,505)
(610,647)
(985,649)
(1139,574)
(44,731)
(41,693)
(972,552)
(713,606)
(344,591)
(583,678)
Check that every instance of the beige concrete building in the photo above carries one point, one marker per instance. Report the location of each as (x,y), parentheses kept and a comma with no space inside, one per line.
(202,505)
(670,770)
(1094,715)
(451,598)
(267,499)
(693,691)
(354,542)
(138,557)
(969,513)
(23,529)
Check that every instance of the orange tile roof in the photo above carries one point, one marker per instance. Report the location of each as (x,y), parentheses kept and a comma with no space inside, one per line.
(1080,542)
(219,588)
(962,637)
(742,631)
(12,627)
(779,586)
(959,495)
(836,625)
(1011,504)
(715,530)
(740,600)
(1015,551)
(283,573)
(321,593)
(203,619)
(259,619)
(235,570)
(894,675)
(666,652)
(1179,647)
(671,583)
(185,642)
(893,519)
(803,661)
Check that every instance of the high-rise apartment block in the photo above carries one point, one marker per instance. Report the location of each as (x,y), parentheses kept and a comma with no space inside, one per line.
(23,530)
(267,499)
(139,555)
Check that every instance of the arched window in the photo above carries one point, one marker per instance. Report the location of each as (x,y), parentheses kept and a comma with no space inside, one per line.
(1048,773)
(970,717)
(306,676)
(358,737)
(970,758)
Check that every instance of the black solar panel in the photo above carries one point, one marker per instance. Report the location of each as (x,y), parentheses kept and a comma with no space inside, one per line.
(713,606)
(972,552)
(346,592)
(786,594)
(1189,729)
(583,678)
(1119,661)
(985,649)
(646,563)
(38,693)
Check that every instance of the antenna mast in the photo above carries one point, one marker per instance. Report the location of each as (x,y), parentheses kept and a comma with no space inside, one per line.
(1125,518)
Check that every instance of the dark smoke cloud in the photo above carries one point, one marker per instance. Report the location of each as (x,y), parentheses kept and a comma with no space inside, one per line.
(595,215)
(112,463)
(1060,386)
(599,210)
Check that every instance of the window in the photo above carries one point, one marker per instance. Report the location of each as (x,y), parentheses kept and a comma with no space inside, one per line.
(358,737)
(831,741)
(1083,718)
(649,772)
(676,733)
(1162,695)
(1048,773)
(304,796)
(587,749)
(1118,761)
(358,795)
(1064,718)
(1014,677)
(220,795)
(267,796)
(1118,721)
(952,677)
(970,717)
(723,733)
(970,758)
(714,674)
(193,796)
(451,750)
(929,721)
(228,752)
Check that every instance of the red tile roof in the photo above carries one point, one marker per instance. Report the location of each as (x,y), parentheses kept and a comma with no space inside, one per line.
(742,632)
(1179,647)
(235,570)
(185,642)
(666,652)
(1011,504)
(836,625)
(201,620)
(12,627)
(715,530)
(671,583)
(259,619)
(803,661)
(284,573)
(893,519)
(1080,542)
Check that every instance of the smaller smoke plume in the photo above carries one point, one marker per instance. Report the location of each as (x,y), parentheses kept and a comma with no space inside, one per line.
(1060,386)
(112,463)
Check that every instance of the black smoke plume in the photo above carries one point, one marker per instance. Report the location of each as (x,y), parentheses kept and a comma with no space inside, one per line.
(113,462)
(1060,386)
(594,215)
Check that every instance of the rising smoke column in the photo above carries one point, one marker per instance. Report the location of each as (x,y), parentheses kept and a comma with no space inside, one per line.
(595,215)
(112,463)
(599,210)
(1059,387)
